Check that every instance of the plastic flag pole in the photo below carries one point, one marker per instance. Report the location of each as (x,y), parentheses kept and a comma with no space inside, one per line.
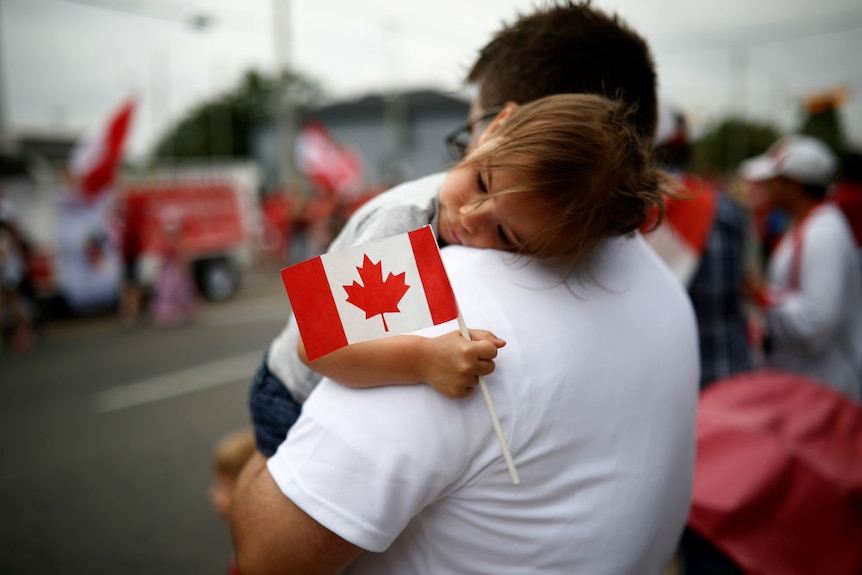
(494,420)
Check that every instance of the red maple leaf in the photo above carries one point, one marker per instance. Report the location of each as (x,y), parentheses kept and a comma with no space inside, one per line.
(377,296)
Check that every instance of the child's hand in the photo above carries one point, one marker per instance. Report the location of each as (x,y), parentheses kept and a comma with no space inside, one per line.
(452,365)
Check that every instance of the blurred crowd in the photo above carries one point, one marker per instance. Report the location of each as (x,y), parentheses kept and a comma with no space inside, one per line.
(772,283)
(772,261)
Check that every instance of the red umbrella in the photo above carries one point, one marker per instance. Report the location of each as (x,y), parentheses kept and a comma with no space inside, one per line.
(778,478)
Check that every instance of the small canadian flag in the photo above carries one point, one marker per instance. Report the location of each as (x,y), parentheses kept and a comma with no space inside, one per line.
(388,287)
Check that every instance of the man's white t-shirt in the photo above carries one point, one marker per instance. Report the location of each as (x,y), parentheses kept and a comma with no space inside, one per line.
(596,392)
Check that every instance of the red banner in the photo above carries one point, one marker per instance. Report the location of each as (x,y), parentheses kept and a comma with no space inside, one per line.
(206,215)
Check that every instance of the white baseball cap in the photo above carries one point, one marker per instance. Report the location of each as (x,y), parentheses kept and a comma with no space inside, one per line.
(799,158)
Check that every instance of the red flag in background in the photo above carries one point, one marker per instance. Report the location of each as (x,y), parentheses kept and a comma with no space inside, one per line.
(95,157)
(392,286)
(681,238)
(329,165)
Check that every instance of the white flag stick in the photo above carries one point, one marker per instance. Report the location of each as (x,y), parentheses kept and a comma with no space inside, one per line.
(494,420)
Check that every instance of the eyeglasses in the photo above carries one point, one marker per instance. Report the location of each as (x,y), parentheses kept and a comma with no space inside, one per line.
(458,140)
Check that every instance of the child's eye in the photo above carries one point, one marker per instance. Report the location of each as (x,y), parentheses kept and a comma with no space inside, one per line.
(480,183)
(505,239)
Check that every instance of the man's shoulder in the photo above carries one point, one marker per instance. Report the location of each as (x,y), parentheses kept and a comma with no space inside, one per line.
(828,216)
(828,226)
(463,260)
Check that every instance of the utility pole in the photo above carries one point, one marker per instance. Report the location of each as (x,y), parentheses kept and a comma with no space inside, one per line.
(285,109)
(396,107)
(738,144)
(3,135)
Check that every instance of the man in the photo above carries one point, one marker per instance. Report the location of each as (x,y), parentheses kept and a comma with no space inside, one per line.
(813,300)
(604,446)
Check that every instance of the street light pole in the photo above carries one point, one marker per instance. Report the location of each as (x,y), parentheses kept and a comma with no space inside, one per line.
(285,110)
(3,100)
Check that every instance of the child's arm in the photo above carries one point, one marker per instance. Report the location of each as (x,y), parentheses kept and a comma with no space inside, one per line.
(449,363)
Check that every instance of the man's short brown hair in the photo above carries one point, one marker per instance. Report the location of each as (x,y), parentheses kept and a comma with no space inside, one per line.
(568,47)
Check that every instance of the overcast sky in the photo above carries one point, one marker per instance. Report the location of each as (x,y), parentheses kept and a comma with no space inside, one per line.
(66,64)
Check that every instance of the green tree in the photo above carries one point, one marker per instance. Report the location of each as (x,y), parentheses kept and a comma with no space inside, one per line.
(722,149)
(824,123)
(223,126)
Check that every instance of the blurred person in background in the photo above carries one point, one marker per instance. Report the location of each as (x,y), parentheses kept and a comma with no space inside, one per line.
(16,326)
(812,298)
(174,297)
(131,222)
(847,193)
(703,239)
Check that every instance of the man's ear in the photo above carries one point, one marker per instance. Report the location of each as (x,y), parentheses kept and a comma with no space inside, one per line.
(500,119)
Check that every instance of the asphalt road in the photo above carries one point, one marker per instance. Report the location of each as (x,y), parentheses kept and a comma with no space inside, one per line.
(106,438)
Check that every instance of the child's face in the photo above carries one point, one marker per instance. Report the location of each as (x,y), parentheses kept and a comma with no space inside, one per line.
(471,214)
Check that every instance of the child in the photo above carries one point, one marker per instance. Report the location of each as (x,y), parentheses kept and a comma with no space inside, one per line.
(174,301)
(231,454)
(14,307)
(550,179)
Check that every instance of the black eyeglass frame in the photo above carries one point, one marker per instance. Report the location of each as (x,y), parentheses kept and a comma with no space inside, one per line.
(457,148)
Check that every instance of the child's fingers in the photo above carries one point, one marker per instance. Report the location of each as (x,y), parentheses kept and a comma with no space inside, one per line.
(485,350)
(485,335)
(485,368)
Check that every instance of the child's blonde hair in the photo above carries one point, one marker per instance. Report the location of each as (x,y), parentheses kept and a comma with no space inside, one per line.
(585,160)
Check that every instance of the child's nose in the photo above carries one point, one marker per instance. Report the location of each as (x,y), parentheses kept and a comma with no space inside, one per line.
(473,217)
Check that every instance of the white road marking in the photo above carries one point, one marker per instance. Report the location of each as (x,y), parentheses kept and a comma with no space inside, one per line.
(181,382)
(263,311)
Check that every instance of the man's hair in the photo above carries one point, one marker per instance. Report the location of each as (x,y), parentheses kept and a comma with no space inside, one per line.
(582,157)
(568,47)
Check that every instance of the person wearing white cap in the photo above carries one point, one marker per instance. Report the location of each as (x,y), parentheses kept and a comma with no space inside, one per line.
(813,300)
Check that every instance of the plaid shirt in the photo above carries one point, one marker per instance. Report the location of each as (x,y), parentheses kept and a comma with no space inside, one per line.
(716,293)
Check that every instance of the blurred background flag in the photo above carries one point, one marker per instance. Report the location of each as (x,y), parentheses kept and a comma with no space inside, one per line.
(331,167)
(94,158)
(680,239)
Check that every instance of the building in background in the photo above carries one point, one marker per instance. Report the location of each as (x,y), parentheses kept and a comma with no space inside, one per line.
(397,137)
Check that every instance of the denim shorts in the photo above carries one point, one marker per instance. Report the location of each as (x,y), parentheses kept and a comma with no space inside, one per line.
(273,410)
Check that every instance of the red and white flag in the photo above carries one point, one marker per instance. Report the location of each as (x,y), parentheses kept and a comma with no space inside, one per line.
(681,238)
(95,157)
(388,287)
(329,165)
